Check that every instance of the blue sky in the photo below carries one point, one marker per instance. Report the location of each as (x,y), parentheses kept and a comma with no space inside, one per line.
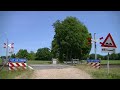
(33,29)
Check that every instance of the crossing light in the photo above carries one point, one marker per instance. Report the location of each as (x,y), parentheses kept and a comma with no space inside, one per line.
(101,39)
(5,45)
(89,40)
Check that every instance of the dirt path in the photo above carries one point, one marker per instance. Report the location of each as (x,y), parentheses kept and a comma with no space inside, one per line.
(65,73)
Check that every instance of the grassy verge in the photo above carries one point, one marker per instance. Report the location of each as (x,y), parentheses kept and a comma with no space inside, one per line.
(5,74)
(105,61)
(39,62)
(101,73)
(20,74)
(110,61)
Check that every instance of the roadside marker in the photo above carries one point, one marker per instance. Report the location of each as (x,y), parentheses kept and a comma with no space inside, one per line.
(108,46)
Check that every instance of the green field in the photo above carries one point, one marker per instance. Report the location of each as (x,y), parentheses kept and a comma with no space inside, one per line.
(39,62)
(110,61)
(101,73)
(105,61)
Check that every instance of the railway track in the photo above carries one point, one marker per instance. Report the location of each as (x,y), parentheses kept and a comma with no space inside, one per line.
(54,66)
(65,66)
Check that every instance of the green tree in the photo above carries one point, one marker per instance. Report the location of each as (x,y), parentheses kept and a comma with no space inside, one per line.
(43,54)
(22,53)
(92,56)
(114,56)
(13,55)
(106,57)
(99,56)
(118,56)
(31,55)
(70,39)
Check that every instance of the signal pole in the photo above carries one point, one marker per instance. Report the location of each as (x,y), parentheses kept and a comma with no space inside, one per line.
(95,46)
(108,64)
(7,50)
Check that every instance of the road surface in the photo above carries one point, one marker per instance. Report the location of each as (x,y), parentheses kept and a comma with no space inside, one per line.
(58,72)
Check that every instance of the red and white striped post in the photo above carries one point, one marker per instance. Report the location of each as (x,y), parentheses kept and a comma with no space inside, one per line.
(17,66)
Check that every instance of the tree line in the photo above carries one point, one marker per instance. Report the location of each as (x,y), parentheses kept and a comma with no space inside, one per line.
(41,54)
(113,56)
(46,54)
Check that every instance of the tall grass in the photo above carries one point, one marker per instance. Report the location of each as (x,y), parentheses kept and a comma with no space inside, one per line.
(5,74)
(114,73)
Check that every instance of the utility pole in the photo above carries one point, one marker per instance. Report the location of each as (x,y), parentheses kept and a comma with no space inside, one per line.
(108,64)
(7,50)
(95,46)
(6,46)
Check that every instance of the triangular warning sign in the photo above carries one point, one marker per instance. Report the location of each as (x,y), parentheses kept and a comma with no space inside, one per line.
(108,42)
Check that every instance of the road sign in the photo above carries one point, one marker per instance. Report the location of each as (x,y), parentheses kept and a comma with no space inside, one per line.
(17,60)
(89,60)
(94,63)
(109,47)
(108,42)
(110,50)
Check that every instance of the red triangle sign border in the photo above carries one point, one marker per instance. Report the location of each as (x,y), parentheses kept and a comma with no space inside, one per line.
(106,40)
